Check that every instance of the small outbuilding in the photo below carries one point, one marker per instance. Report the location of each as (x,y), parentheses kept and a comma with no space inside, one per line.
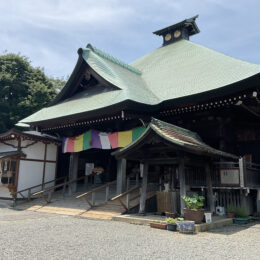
(27,159)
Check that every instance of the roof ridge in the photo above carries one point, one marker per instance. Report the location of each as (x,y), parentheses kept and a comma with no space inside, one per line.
(113,59)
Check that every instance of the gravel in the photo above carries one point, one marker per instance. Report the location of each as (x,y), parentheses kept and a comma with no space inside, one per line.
(35,235)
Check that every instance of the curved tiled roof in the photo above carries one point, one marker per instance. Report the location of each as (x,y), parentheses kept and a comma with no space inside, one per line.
(186,68)
(171,72)
(185,139)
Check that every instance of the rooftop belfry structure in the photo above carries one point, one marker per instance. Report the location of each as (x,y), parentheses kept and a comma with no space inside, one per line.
(181,83)
(179,31)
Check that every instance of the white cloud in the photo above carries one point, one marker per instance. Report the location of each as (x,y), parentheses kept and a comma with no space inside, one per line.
(51,31)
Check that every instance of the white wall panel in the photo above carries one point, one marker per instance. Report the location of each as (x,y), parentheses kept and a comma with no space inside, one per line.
(30,174)
(35,151)
(51,152)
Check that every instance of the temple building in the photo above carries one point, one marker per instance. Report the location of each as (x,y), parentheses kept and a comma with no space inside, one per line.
(187,114)
(27,160)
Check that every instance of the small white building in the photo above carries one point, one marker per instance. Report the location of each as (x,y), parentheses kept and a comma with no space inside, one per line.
(26,159)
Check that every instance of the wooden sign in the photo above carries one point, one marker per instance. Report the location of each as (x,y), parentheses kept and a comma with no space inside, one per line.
(229,176)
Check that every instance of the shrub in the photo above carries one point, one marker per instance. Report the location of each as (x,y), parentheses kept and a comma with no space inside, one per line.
(171,221)
(241,212)
(195,202)
(158,221)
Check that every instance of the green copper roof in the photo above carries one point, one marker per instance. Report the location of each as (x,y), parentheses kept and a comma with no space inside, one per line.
(183,138)
(113,59)
(171,72)
(186,68)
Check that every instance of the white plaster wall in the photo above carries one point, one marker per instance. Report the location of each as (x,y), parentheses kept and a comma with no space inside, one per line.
(49,173)
(35,151)
(51,152)
(7,148)
(30,174)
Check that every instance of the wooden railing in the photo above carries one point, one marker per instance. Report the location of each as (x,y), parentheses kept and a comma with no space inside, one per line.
(51,189)
(126,194)
(93,194)
(29,190)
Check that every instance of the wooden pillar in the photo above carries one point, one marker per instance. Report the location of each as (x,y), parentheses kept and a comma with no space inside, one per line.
(258,201)
(210,197)
(242,171)
(143,190)
(181,170)
(73,171)
(121,176)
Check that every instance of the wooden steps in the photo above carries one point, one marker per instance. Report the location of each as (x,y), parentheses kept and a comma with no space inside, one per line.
(106,211)
(110,209)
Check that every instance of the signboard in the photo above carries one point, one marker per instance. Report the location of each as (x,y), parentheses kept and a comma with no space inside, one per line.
(89,168)
(229,176)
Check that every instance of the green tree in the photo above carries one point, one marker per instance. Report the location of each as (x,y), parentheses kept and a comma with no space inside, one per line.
(23,89)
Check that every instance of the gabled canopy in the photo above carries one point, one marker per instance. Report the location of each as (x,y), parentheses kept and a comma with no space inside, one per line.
(181,139)
(28,135)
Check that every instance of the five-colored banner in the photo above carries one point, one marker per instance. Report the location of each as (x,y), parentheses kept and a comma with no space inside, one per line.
(100,140)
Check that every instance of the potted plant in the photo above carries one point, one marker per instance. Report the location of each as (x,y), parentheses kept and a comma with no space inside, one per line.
(171,224)
(158,224)
(193,210)
(241,215)
(171,215)
(231,211)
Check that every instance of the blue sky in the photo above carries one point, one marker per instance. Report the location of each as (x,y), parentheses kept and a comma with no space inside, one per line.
(50,32)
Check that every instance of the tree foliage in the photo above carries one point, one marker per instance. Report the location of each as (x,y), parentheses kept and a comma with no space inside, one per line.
(23,89)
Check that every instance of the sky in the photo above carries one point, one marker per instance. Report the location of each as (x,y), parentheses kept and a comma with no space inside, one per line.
(49,32)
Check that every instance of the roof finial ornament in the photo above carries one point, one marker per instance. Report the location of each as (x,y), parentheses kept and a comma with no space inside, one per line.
(178,31)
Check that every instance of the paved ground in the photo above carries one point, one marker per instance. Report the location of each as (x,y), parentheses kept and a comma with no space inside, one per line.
(36,235)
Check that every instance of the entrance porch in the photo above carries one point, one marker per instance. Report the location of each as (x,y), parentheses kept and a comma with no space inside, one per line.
(172,160)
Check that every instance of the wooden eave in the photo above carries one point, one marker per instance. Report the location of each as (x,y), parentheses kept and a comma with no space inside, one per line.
(14,134)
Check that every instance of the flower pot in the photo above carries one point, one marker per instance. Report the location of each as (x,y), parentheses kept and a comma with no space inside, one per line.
(241,221)
(186,227)
(170,215)
(230,215)
(172,227)
(194,215)
(158,225)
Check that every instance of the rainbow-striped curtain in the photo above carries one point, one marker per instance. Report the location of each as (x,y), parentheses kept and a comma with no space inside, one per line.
(100,140)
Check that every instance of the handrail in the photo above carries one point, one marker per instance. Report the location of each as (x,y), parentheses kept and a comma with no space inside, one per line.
(33,187)
(96,189)
(93,193)
(127,194)
(59,185)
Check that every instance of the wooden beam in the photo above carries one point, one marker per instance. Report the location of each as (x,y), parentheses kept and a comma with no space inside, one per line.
(44,164)
(143,190)
(210,197)
(181,170)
